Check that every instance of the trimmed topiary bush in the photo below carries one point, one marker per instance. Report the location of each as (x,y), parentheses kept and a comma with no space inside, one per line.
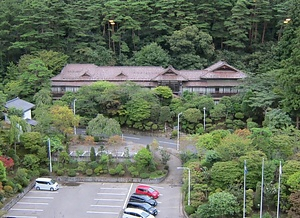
(71,173)
(189,209)
(89,172)
(60,172)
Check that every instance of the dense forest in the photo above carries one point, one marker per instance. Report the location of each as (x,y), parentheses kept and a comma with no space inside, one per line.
(260,37)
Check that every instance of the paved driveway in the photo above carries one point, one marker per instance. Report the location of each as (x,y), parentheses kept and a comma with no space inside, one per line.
(91,200)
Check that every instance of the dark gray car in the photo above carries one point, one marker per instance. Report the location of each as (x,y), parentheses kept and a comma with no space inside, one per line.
(143,199)
(143,206)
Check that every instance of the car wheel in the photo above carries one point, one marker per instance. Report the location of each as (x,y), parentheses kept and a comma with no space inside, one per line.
(37,188)
(51,189)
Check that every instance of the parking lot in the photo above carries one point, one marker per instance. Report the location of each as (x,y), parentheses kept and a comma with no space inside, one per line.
(91,200)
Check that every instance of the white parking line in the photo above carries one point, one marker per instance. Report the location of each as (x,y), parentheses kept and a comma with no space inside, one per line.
(106,199)
(101,193)
(32,203)
(127,197)
(28,197)
(99,205)
(102,212)
(37,210)
(115,188)
(20,216)
(43,192)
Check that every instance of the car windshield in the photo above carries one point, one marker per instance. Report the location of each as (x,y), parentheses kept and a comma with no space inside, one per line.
(52,182)
(151,190)
(144,214)
(147,206)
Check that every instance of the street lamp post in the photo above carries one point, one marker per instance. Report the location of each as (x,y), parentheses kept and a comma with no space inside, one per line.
(74,110)
(112,23)
(49,150)
(204,118)
(178,130)
(189,191)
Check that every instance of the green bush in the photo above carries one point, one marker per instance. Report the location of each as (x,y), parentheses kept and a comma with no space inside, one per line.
(93,165)
(189,209)
(89,172)
(81,167)
(60,172)
(44,172)
(8,190)
(71,173)
(144,175)
(133,171)
(112,172)
(98,170)
(22,177)
(120,169)
(19,188)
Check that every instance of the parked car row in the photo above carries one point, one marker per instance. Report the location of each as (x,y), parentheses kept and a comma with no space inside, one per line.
(142,203)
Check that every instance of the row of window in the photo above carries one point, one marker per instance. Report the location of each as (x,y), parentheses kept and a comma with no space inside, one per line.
(208,90)
(202,90)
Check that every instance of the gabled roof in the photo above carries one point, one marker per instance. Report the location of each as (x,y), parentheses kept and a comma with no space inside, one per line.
(19,104)
(222,70)
(74,72)
(169,74)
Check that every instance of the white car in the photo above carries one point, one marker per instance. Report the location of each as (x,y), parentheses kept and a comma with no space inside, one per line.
(46,184)
(134,212)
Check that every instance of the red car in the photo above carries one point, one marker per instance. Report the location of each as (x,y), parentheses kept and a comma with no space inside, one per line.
(147,190)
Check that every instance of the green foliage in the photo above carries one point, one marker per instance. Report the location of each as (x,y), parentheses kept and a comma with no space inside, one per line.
(104,127)
(277,119)
(32,141)
(22,177)
(151,55)
(144,175)
(89,172)
(165,156)
(2,172)
(92,154)
(31,161)
(220,204)
(143,159)
(71,172)
(224,174)
(189,209)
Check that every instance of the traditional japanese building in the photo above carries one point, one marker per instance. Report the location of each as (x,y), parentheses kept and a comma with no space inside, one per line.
(218,80)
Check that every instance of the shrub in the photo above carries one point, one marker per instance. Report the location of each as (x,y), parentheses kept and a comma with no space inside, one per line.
(144,175)
(71,173)
(89,172)
(98,170)
(119,169)
(8,189)
(81,166)
(112,172)
(60,172)
(22,177)
(19,188)
(44,172)
(133,171)
(189,209)
(93,165)
(93,154)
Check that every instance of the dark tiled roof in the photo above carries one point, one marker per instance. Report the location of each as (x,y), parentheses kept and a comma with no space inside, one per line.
(19,104)
(222,70)
(77,75)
